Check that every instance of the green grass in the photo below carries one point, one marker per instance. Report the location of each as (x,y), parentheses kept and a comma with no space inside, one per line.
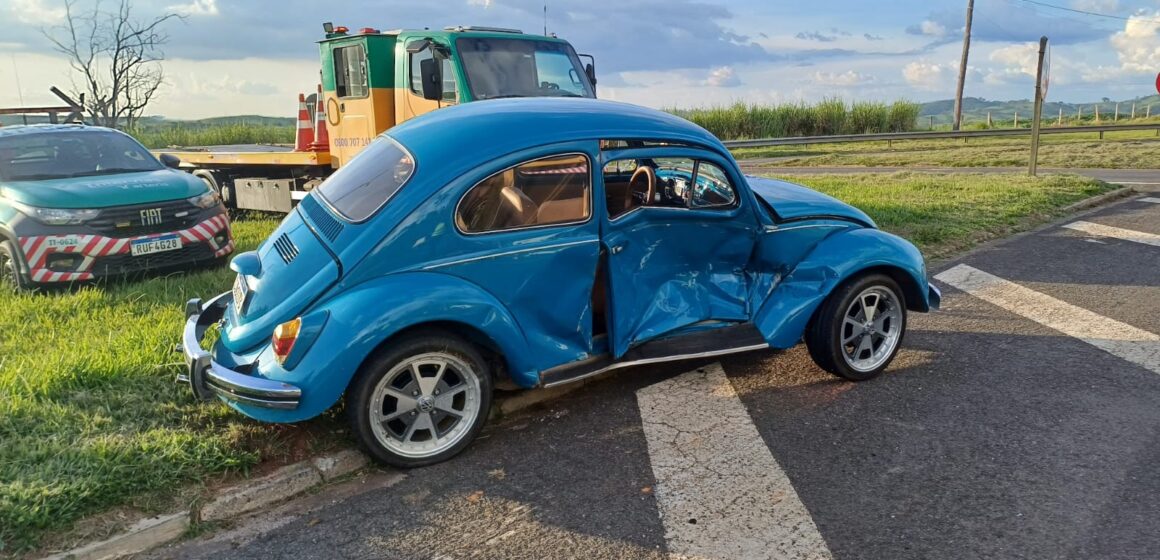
(946,214)
(90,418)
(179,135)
(1119,150)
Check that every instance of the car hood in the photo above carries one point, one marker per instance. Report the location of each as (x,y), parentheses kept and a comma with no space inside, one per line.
(102,191)
(795,202)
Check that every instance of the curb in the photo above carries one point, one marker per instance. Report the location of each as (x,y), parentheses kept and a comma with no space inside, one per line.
(230,502)
(1122,192)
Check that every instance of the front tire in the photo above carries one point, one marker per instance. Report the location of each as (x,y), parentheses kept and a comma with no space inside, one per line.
(11,278)
(859,329)
(420,401)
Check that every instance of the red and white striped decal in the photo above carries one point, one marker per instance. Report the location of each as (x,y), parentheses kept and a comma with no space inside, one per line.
(556,171)
(36,248)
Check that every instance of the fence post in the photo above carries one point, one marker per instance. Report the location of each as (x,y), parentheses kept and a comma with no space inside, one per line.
(1079,116)
(1060,123)
(1133,110)
(1097,108)
(931,127)
(1016,120)
(1117,117)
(988,119)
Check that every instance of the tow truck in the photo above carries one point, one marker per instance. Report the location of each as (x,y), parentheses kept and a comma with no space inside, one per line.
(373,80)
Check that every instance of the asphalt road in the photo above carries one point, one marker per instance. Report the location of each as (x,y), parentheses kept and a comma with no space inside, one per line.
(1020,422)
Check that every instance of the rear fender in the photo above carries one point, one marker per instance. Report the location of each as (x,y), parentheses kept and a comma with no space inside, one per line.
(784,316)
(362,318)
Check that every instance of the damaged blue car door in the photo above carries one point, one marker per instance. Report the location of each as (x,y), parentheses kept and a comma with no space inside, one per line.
(679,235)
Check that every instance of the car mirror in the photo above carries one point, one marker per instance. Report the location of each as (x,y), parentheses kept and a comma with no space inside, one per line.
(591,71)
(171,161)
(430,70)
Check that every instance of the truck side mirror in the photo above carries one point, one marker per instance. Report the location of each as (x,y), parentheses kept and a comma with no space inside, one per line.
(591,71)
(431,73)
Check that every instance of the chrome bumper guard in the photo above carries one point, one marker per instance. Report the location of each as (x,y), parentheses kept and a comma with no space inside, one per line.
(210,379)
(934,296)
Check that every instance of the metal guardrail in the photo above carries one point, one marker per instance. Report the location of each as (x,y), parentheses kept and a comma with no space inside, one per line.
(931,135)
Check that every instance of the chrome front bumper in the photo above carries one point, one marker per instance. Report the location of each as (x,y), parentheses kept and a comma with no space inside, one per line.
(934,296)
(210,379)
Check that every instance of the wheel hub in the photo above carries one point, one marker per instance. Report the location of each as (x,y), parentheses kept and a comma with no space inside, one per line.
(425,404)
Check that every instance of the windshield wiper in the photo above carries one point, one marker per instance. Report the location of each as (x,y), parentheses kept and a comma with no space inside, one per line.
(37,177)
(110,171)
(506,96)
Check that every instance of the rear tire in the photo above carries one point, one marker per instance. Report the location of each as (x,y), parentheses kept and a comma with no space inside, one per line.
(11,278)
(421,400)
(858,330)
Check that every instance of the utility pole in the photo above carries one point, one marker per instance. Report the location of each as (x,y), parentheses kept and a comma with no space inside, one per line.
(1037,115)
(963,66)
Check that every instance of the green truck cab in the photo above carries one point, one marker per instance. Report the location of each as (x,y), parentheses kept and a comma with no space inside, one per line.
(81,202)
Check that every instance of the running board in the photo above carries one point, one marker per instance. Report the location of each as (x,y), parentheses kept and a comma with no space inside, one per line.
(700,344)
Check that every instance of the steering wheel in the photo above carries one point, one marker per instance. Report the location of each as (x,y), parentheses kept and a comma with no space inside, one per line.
(644,174)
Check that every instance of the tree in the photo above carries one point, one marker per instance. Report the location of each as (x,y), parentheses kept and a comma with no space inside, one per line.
(116,59)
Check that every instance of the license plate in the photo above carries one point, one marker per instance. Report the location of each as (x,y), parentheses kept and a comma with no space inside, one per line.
(155,245)
(241,290)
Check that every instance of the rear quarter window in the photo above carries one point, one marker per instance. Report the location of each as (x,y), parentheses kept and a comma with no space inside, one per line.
(364,185)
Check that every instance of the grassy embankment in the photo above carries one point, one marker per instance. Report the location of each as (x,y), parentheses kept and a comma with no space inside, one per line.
(91,421)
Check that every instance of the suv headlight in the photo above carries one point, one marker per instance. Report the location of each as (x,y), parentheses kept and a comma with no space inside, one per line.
(57,216)
(207,200)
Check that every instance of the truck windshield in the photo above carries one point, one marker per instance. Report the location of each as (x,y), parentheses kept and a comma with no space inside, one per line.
(59,155)
(522,68)
(359,188)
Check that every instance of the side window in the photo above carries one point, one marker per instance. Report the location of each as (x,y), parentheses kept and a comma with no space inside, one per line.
(450,88)
(552,190)
(350,71)
(713,189)
(654,182)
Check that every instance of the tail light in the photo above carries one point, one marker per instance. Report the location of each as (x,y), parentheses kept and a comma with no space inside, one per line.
(285,335)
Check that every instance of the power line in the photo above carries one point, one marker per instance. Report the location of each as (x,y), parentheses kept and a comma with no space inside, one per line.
(1087,13)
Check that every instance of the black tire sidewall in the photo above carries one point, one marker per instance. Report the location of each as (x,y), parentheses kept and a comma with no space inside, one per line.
(9,258)
(824,340)
(362,388)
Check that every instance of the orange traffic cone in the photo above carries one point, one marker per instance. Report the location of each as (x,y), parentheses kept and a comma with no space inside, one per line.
(305,134)
(321,134)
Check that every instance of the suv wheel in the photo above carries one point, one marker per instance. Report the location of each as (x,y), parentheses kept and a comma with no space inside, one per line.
(421,401)
(10,275)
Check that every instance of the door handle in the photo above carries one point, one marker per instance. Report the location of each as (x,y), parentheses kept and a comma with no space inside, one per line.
(616,249)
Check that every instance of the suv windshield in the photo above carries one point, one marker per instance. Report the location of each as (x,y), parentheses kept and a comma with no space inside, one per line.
(359,188)
(58,155)
(522,68)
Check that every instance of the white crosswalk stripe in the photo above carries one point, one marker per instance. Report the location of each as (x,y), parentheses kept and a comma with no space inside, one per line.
(720,492)
(1151,199)
(1120,339)
(1115,232)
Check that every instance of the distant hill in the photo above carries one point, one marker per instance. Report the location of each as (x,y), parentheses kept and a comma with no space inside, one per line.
(162,122)
(975,109)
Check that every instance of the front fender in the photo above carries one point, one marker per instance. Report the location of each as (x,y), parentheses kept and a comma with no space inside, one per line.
(361,318)
(785,314)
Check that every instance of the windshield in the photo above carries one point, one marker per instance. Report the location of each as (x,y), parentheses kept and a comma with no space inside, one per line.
(359,188)
(522,68)
(58,155)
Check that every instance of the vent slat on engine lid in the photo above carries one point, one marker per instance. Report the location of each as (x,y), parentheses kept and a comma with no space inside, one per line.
(327,224)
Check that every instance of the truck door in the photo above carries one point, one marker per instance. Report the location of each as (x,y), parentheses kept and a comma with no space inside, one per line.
(678,236)
(409,96)
(350,111)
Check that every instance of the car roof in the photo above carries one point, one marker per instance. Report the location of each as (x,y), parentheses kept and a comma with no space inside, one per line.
(22,129)
(472,133)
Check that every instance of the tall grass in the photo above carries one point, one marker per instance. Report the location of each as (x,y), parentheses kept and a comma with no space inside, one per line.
(830,116)
(178,135)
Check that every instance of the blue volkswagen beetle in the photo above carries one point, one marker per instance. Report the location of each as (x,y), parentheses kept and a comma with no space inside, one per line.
(536,243)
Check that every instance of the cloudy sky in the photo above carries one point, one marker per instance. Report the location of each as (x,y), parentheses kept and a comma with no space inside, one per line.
(252,57)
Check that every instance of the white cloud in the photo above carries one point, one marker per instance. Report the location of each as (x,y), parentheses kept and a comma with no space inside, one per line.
(929,76)
(195,8)
(35,12)
(484,3)
(1015,61)
(723,76)
(932,28)
(1138,45)
(842,79)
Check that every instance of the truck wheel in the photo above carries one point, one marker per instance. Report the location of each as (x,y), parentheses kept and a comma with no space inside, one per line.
(10,276)
(858,330)
(420,401)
